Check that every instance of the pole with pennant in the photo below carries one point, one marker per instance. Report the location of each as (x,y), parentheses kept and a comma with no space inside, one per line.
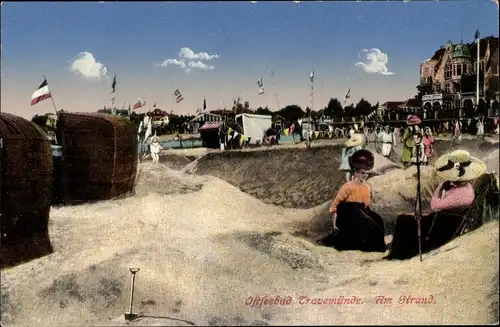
(309,125)
(478,38)
(51,96)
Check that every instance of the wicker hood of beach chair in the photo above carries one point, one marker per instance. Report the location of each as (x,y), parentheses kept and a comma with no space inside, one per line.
(100,156)
(26,187)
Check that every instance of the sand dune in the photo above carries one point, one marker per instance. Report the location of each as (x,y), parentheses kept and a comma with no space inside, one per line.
(205,247)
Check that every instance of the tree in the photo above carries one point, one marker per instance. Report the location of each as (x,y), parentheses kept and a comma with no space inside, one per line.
(363,108)
(334,108)
(263,111)
(349,111)
(423,89)
(292,112)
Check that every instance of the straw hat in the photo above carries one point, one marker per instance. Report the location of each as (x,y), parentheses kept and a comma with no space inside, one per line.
(362,159)
(413,120)
(459,166)
(355,140)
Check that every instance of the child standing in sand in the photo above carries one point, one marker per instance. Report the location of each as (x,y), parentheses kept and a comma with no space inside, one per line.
(155,150)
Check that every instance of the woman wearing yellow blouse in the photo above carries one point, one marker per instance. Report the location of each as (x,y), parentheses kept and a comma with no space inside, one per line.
(356,227)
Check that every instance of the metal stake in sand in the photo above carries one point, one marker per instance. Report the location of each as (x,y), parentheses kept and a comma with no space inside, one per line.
(129,315)
(418,200)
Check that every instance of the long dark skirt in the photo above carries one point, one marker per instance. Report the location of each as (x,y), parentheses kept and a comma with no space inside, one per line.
(359,229)
(437,229)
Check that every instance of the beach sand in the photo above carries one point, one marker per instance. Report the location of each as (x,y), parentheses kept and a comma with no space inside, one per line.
(206,249)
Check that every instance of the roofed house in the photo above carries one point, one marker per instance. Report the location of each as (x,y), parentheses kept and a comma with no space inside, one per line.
(448,78)
(201,118)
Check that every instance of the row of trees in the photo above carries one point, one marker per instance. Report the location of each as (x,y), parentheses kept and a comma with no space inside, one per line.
(292,112)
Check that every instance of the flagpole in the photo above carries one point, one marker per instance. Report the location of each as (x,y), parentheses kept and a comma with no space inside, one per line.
(51,96)
(477,73)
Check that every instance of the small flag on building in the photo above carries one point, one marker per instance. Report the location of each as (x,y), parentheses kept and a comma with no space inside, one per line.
(261,86)
(154,106)
(204,104)
(311,76)
(476,35)
(178,96)
(113,85)
(139,104)
(41,93)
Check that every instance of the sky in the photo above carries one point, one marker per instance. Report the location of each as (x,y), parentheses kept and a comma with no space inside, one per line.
(218,50)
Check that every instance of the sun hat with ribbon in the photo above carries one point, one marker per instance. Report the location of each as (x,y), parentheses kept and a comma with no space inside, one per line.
(413,120)
(355,140)
(459,166)
(362,159)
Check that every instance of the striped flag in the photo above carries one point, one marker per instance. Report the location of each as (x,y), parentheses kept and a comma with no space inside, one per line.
(41,93)
(261,86)
(347,96)
(178,96)
(139,104)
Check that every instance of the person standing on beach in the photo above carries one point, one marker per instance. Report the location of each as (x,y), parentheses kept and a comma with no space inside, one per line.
(352,145)
(387,140)
(457,134)
(428,142)
(480,129)
(155,150)
(412,122)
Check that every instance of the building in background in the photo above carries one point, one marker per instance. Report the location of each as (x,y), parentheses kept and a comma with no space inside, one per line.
(448,78)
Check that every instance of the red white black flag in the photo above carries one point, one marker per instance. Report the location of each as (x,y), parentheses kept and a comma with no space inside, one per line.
(41,93)
(139,104)
(178,96)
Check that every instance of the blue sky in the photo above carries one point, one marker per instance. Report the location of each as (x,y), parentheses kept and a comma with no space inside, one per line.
(133,39)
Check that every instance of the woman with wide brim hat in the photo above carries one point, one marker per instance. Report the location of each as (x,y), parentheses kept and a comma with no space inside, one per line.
(452,205)
(352,145)
(412,121)
(355,225)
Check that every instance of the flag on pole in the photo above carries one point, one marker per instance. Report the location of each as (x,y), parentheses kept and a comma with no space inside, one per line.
(113,85)
(178,96)
(311,76)
(204,104)
(154,106)
(41,93)
(477,35)
(139,104)
(347,96)
(261,86)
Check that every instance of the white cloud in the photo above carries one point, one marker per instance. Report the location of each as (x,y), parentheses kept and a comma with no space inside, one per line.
(86,65)
(189,60)
(200,65)
(375,62)
(190,55)
(176,62)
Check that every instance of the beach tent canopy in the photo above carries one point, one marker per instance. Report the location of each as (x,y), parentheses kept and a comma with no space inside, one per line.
(211,125)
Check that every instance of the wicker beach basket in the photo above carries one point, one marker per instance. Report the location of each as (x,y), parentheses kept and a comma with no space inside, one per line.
(26,187)
(99,156)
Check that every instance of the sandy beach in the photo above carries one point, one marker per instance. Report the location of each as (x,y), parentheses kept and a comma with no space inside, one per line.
(213,235)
